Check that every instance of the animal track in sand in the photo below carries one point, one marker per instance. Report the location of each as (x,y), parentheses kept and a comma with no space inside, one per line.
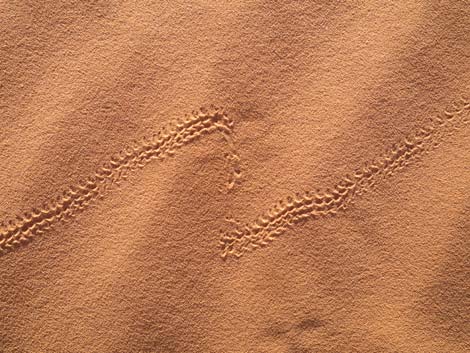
(23,229)
(310,205)
(241,239)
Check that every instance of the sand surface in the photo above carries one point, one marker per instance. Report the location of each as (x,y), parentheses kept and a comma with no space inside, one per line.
(235,176)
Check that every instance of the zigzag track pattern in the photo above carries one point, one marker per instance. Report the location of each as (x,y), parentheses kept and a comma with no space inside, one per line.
(288,212)
(311,205)
(23,229)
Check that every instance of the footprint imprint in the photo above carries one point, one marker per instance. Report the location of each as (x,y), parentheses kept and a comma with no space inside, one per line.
(310,205)
(22,229)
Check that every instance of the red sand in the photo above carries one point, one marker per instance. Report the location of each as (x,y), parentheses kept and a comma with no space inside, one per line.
(318,202)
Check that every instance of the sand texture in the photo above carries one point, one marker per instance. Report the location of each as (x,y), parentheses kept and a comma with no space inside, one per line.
(235,176)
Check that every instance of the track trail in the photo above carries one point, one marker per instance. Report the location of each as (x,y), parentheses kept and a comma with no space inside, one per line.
(241,239)
(313,204)
(22,229)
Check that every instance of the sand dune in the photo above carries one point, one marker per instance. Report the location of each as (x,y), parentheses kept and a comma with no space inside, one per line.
(248,176)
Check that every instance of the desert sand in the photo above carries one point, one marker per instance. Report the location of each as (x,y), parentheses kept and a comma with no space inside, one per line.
(235,176)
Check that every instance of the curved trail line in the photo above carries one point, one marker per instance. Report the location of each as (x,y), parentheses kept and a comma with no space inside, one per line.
(23,229)
(310,205)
